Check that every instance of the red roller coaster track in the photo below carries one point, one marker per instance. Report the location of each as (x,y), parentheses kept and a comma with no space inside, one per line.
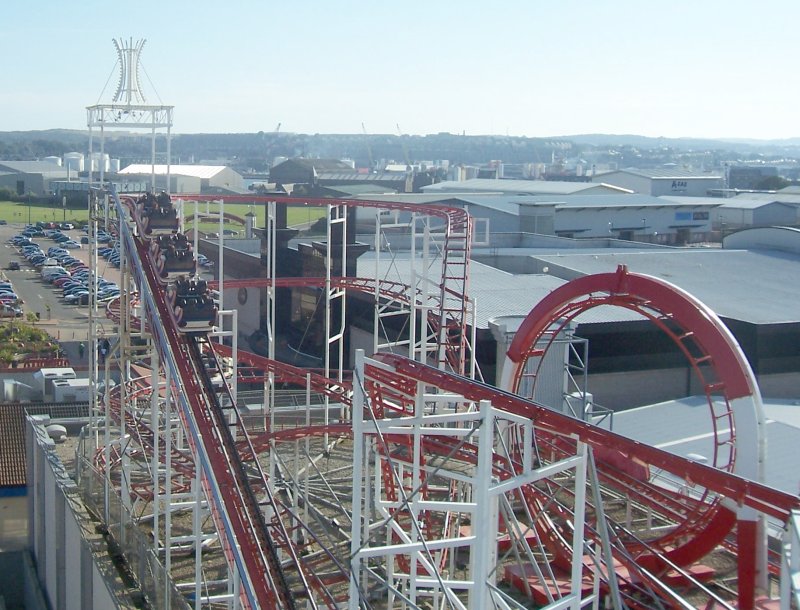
(702,524)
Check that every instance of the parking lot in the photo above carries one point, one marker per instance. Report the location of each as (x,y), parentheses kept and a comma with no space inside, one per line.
(69,321)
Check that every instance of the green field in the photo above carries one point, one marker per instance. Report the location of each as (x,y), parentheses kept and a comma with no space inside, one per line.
(23,213)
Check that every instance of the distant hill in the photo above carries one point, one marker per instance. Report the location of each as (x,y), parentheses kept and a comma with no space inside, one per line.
(605,139)
(254,152)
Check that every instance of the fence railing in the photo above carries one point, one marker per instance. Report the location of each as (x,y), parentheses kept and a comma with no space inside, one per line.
(135,544)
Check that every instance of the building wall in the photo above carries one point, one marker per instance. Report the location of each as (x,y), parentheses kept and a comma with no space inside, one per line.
(13,522)
(178,184)
(689,187)
(32,183)
(657,224)
(239,265)
(638,184)
(72,562)
(537,219)
(501,222)
(776,214)
(18,582)
(770,214)
(228,179)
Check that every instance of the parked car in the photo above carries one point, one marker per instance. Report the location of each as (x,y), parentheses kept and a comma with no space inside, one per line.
(52,272)
(60,282)
(75,297)
(10,311)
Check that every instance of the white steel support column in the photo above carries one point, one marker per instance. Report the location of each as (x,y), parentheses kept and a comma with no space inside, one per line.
(398,528)
(168,469)
(334,329)
(197,489)
(270,231)
(360,481)
(221,256)
(579,520)
(484,523)
(155,426)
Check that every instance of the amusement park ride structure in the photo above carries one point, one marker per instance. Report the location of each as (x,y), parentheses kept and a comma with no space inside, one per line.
(406,483)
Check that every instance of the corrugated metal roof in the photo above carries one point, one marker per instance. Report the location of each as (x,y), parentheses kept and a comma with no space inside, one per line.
(410,197)
(683,427)
(533,187)
(751,204)
(351,190)
(669,173)
(746,285)
(351,175)
(629,201)
(196,171)
(737,203)
(495,292)
(33,167)
(779,196)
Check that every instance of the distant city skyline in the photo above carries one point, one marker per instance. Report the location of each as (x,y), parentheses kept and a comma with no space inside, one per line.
(712,69)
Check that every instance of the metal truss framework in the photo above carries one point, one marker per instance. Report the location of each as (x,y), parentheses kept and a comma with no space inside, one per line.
(129,110)
(432,468)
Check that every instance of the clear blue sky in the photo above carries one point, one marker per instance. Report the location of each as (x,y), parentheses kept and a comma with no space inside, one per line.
(705,68)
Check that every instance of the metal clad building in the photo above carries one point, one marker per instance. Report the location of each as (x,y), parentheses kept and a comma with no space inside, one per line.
(666,181)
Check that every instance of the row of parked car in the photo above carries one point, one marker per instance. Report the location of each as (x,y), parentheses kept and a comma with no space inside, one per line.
(58,267)
(9,301)
(56,235)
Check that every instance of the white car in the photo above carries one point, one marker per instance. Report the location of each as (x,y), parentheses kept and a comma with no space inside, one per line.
(52,271)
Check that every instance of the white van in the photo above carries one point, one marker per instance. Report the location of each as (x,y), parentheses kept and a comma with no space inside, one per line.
(53,270)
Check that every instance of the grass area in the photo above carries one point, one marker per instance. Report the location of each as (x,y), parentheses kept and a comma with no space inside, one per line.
(295,215)
(23,213)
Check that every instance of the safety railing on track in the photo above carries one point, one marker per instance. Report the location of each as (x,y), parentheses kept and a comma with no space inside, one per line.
(232,527)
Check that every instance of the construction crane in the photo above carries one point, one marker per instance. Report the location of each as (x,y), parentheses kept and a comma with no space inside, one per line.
(369,148)
(278,127)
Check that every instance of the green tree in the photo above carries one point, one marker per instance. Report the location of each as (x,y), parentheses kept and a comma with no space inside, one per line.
(771,183)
